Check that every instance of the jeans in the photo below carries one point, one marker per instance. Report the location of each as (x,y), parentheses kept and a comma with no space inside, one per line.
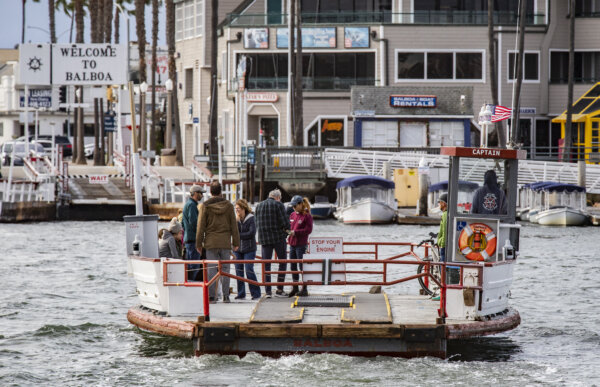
(267,253)
(195,270)
(218,255)
(296,252)
(239,271)
(442,254)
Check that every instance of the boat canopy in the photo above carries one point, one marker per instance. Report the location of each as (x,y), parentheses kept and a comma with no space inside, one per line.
(358,181)
(462,185)
(561,187)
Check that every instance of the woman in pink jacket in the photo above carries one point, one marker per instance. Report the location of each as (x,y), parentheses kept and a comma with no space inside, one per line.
(301,224)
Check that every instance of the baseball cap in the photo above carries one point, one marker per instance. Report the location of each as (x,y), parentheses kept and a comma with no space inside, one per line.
(296,200)
(196,188)
(443,198)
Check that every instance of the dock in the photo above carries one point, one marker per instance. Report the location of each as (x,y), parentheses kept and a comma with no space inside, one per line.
(406,215)
(373,325)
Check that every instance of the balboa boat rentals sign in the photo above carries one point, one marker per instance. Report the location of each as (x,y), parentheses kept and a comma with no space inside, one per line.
(90,64)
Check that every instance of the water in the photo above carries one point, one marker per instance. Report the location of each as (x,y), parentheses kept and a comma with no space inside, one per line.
(64,296)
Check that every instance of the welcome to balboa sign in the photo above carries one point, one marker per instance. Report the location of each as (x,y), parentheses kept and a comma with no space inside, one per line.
(72,64)
(89,64)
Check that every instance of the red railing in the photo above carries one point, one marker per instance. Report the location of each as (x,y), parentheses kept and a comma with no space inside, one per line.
(386,263)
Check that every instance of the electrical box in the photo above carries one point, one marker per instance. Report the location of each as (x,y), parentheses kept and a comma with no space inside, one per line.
(407,187)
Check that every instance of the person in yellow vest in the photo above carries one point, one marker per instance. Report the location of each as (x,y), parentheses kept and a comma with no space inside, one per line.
(441,238)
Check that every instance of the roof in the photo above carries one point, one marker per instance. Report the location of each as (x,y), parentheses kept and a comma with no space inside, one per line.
(553,186)
(462,184)
(357,181)
(587,106)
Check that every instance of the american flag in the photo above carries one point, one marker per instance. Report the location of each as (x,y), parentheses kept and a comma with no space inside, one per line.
(500,113)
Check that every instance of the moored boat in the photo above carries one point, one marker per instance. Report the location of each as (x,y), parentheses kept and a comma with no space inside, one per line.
(563,205)
(321,208)
(366,199)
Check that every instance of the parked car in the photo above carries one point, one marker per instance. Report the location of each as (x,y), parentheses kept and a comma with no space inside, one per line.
(20,153)
(63,141)
(88,151)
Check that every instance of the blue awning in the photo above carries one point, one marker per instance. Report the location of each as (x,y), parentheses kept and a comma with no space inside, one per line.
(561,187)
(462,185)
(357,181)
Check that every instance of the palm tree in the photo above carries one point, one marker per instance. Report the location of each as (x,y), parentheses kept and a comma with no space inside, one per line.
(492,59)
(68,8)
(152,138)
(214,103)
(568,143)
(170,15)
(140,28)
(51,14)
(518,75)
(108,6)
(79,13)
(23,18)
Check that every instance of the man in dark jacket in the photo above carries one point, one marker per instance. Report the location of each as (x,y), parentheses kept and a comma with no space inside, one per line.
(273,227)
(489,199)
(189,221)
(217,232)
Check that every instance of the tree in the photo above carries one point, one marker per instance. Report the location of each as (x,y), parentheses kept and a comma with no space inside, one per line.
(170,30)
(51,14)
(492,60)
(152,138)
(108,6)
(79,13)
(23,19)
(568,143)
(140,28)
(213,130)
(518,75)
(298,94)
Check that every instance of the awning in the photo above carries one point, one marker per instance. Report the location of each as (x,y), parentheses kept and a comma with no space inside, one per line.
(587,106)
(357,181)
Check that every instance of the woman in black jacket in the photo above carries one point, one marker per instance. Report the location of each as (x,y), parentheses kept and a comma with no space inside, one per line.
(247,250)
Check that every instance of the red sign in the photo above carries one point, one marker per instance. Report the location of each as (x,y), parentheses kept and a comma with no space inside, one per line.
(262,97)
(484,153)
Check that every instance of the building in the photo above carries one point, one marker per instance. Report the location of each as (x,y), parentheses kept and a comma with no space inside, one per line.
(392,53)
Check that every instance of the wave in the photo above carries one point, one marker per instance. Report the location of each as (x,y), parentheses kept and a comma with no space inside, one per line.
(63,330)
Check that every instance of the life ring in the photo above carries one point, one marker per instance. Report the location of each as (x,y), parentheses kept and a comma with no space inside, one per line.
(477,242)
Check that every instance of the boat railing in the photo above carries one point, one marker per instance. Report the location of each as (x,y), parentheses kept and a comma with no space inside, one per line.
(383,274)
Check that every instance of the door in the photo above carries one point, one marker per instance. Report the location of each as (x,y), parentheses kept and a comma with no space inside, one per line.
(412,134)
(380,134)
(269,131)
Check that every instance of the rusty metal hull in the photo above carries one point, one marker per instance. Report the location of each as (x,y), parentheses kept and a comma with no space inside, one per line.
(399,340)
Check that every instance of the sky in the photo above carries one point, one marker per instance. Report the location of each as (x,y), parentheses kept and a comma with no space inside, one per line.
(38,24)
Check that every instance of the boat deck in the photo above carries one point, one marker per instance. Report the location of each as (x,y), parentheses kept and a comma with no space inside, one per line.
(375,324)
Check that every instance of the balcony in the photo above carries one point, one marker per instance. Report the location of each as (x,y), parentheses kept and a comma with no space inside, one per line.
(308,83)
(452,17)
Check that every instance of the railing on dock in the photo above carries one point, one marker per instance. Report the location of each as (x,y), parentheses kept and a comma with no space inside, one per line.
(363,254)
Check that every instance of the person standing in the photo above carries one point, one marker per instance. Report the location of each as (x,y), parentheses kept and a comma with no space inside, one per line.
(217,232)
(247,252)
(273,227)
(189,221)
(301,224)
(167,245)
(441,238)
(489,199)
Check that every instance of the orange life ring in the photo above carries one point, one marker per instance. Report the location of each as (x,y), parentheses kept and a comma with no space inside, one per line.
(477,242)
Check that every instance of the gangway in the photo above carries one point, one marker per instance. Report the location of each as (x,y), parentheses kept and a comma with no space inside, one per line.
(343,163)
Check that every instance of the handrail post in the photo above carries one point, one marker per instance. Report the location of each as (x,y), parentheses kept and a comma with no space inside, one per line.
(205,296)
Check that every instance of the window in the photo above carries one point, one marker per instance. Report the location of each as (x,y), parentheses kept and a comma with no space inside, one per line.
(587,8)
(320,71)
(189,83)
(530,66)
(189,19)
(448,65)
(587,67)
(326,131)
(338,11)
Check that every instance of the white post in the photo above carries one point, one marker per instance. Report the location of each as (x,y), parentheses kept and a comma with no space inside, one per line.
(53,144)
(37,123)
(10,173)
(119,142)
(137,181)
(26,121)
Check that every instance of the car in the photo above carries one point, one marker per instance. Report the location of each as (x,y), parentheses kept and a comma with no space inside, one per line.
(63,141)
(88,151)
(19,152)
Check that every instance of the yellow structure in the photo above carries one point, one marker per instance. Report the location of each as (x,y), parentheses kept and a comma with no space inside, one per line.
(586,126)
(407,187)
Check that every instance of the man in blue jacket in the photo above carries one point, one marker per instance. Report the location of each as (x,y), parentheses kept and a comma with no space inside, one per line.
(190,222)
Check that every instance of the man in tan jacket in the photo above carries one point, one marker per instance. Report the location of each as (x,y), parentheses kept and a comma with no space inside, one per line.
(217,232)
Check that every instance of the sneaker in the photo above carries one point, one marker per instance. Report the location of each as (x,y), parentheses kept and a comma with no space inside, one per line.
(268,295)
(257,298)
(280,293)
(226,300)
(303,293)
(436,298)
(240,297)
(212,300)
(294,292)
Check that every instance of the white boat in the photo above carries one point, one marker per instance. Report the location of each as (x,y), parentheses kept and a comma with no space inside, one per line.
(466,190)
(366,199)
(321,208)
(562,216)
(562,205)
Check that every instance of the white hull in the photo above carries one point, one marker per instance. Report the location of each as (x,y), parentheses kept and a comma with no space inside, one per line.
(562,217)
(366,211)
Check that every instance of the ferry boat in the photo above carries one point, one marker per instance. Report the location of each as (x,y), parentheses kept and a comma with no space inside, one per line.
(473,287)
(366,199)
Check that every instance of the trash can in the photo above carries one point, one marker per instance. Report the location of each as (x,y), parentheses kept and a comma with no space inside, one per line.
(168,157)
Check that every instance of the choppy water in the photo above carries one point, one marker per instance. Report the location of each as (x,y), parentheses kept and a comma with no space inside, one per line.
(64,295)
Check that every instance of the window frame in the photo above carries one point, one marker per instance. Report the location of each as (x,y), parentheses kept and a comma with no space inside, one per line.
(566,50)
(188,91)
(318,120)
(426,53)
(508,63)
(180,28)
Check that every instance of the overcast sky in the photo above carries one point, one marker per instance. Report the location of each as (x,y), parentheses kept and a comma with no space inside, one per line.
(38,26)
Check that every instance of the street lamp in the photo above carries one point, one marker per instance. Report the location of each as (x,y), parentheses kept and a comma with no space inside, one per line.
(169,87)
(485,120)
(145,137)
